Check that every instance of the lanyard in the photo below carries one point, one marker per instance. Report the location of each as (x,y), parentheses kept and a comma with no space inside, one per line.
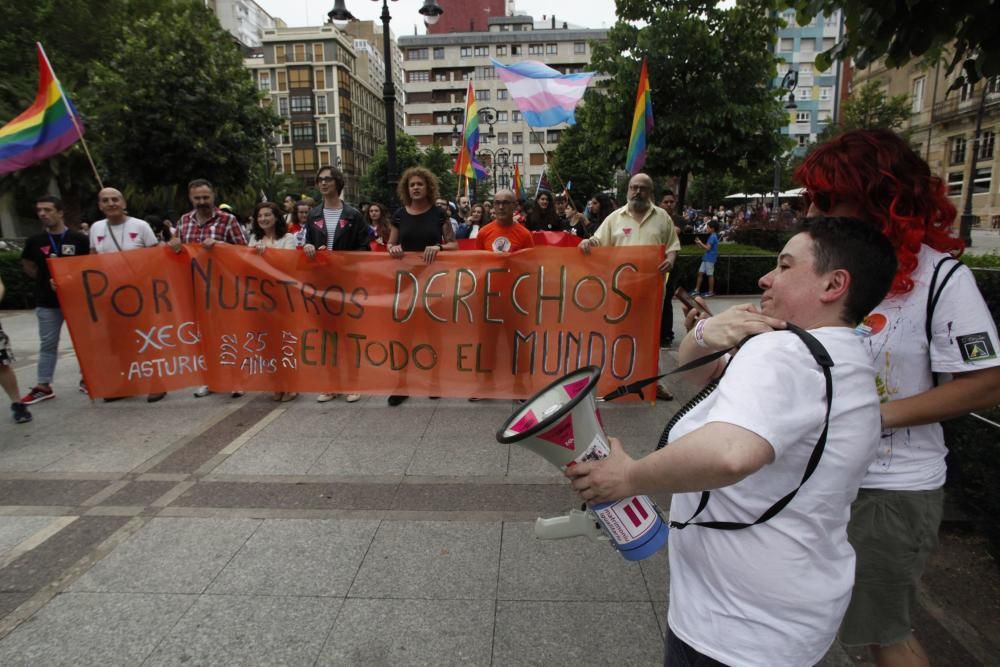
(52,243)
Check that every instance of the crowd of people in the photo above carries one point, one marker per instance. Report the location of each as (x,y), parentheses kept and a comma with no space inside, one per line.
(807,476)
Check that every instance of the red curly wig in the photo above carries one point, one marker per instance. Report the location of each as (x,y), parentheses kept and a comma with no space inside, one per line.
(879,175)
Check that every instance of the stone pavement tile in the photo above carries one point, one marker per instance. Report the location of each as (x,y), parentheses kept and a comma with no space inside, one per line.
(48,491)
(576,633)
(297,557)
(525,462)
(479,420)
(139,493)
(661,617)
(364,456)
(248,630)
(656,572)
(122,455)
(432,560)
(305,421)
(30,452)
(405,422)
(36,568)
(546,499)
(93,629)
(169,556)
(475,453)
(16,529)
(411,633)
(289,456)
(570,569)
(289,496)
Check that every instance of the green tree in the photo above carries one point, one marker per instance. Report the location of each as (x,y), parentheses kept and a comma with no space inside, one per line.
(577,159)
(440,164)
(375,182)
(901,31)
(174,102)
(869,109)
(708,70)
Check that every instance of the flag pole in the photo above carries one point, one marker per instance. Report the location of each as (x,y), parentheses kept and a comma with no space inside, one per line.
(72,116)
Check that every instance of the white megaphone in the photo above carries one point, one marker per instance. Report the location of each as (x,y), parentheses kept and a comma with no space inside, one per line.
(562,424)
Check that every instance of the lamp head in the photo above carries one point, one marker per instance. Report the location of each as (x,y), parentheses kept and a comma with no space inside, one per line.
(339,15)
(431,11)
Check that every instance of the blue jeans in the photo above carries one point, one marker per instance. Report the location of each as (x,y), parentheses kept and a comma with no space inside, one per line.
(50,321)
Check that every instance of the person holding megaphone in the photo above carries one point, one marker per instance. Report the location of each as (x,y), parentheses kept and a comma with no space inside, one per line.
(765,461)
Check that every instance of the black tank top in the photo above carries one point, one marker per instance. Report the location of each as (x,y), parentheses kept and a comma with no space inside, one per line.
(416,232)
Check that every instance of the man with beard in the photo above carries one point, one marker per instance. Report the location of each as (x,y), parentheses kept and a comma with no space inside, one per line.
(639,223)
(207,225)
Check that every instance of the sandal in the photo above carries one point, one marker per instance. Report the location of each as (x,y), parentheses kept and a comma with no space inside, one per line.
(289,396)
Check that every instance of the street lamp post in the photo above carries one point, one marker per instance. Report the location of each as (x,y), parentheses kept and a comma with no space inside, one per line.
(965,225)
(340,16)
(500,166)
(788,82)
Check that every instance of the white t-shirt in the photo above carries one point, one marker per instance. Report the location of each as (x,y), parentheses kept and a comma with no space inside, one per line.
(131,234)
(775,593)
(964,338)
(286,242)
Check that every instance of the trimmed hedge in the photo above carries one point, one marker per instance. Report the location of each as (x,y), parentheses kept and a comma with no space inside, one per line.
(974,471)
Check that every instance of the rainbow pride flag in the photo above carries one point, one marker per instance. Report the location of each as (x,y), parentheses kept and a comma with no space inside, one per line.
(465,163)
(518,184)
(45,129)
(642,125)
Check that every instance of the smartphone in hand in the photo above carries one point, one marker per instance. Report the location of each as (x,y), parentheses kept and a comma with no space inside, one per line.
(685,298)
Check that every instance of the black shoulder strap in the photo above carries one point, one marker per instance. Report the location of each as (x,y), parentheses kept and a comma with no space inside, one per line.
(822,357)
(934,293)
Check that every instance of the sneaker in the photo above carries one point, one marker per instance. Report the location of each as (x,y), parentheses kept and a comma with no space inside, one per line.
(353,398)
(395,400)
(37,395)
(202,391)
(236,394)
(693,293)
(82,386)
(156,398)
(326,398)
(21,414)
(705,295)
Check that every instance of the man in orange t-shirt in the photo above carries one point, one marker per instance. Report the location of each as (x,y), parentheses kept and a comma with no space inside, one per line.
(503,234)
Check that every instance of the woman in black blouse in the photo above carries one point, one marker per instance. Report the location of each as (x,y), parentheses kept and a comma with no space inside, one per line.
(418,225)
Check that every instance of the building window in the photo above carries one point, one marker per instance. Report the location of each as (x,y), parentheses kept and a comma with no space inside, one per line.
(828,43)
(300,53)
(282,80)
(987,139)
(302,132)
(955,180)
(302,104)
(824,116)
(283,106)
(579,47)
(787,44)
(305,160)
(536,49)
(517,138)
(993,84)
(502,138)
(502,115)
(535,137)
(318,53)
(485,72)
(981,180)
(957,152)
(552,48)
(465,51)
(418,75)
(552,136)
(324,157)
(807,45)
(321,104)
(485,140)
(918,94)
(825,92)
(417,54)
(320,78)
(482,95)
(438,53)
(802,139)
(517,158)
(804,93)
(966,92)
(322,134)
(286,162)
(298,77)
(803,116)
(279,54)
(481,51)
(501,49)
(515,116)
(516,50)
(264,81)
(502,94)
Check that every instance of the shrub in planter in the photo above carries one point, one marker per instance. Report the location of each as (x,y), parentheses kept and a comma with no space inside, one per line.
(20,289)
(974,468)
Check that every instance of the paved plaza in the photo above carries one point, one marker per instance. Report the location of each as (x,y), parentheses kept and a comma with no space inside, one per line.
(222,531)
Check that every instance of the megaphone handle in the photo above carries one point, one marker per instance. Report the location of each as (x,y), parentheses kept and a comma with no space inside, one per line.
(575,523)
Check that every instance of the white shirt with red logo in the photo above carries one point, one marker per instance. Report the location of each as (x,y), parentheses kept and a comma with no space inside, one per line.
(129,235)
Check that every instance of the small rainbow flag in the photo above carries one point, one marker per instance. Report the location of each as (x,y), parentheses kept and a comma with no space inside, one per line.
(642,125)
(465,163)
(518,185)
(47,128)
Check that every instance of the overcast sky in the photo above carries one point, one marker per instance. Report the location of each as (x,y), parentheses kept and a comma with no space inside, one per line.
(588,14)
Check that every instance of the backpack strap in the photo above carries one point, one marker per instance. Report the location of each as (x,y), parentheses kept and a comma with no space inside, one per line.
(825,362)
(934,295)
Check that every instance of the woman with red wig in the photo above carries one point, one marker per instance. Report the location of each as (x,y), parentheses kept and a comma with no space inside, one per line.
(934,321)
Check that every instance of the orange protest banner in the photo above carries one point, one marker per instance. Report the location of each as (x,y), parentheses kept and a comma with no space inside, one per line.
(470,324)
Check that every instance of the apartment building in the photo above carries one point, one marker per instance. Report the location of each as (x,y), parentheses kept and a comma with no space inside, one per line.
(942,128)
(333,114)
(817,95)
(437,68)
(245,20)
(371,59)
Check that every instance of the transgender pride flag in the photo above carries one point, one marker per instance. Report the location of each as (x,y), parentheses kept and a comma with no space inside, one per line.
(544,96)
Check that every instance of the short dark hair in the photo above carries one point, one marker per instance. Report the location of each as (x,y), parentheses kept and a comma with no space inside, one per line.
(859,248)
(338,176)
(280,226)
(714,224)
(667,192)
(51,199)
(200,183)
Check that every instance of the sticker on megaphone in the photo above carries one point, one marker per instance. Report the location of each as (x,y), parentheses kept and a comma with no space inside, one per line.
(562,424)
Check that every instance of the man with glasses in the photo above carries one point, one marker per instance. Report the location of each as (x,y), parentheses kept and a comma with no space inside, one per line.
(639,223)
(503,235)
